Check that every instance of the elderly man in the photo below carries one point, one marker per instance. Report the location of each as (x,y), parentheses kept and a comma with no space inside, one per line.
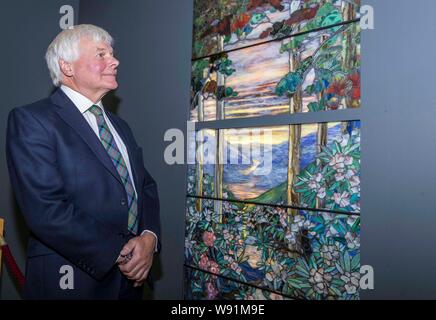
(79,179)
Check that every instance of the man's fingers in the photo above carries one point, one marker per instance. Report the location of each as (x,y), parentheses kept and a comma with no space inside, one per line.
(131,268)
(128,248)
(138,275)
(127,267)
(138,266)
(139,271)
(143,275)
(133,275)
(130,262)
(142,278)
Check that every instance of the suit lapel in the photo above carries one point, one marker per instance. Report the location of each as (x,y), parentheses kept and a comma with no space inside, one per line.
(71,115)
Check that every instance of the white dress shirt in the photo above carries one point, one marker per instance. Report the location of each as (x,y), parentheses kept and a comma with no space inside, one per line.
(82,103)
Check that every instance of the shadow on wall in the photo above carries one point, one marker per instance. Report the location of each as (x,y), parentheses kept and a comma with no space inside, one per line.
(111,102)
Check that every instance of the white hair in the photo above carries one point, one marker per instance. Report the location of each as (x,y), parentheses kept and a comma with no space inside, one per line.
(66,47)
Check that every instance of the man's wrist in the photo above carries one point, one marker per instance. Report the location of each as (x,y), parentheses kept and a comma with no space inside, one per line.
(151,235)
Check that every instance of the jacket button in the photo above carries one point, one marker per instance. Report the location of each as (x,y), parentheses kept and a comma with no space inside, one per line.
(123,202)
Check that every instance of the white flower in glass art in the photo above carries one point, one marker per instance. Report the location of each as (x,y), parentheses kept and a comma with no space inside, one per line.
(355,184)
(321,193)
(353,241)
(320,280)
(343,141)
(314,182)
(351,280)
(342,199)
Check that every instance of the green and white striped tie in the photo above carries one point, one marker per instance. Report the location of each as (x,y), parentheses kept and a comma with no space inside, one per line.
(114,153)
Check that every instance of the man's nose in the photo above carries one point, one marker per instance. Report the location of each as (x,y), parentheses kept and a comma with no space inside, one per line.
(114,62)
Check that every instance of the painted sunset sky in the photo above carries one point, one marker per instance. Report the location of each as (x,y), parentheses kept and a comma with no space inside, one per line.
(247,181)
(258,71)
(244,177)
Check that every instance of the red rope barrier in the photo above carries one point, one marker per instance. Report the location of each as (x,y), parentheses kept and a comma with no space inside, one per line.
(11,263)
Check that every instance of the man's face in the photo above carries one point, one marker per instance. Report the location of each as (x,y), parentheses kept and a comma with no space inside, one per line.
(95,71)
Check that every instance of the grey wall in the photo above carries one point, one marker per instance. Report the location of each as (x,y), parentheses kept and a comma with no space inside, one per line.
(399,149)
(27,27)
(153,40)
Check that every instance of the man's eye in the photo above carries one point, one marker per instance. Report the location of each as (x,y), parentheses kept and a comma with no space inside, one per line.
(101,55)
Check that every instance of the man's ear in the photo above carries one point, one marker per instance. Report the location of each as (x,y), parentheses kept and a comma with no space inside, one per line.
(66,68)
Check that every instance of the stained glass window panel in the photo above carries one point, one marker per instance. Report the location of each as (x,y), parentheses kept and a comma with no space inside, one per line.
(311,166)
(302,254)
(229,24)
(329,167)
(313,72)
(273,212)
(201,285)
(256,164)
(201,174)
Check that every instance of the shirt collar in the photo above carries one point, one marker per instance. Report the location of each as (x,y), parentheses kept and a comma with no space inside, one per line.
(80,101)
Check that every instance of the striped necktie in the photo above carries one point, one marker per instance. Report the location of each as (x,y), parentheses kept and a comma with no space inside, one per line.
(114,153)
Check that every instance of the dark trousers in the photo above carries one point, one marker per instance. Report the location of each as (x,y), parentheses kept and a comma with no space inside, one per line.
(128,292)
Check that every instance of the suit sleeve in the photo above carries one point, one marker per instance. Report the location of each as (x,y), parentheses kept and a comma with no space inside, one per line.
(47,209)
(151,211)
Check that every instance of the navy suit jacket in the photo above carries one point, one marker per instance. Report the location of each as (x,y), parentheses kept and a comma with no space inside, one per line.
(72,198)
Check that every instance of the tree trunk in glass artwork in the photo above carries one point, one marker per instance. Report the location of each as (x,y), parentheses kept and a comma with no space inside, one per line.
(219,154)
(295,106)
(321,135)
